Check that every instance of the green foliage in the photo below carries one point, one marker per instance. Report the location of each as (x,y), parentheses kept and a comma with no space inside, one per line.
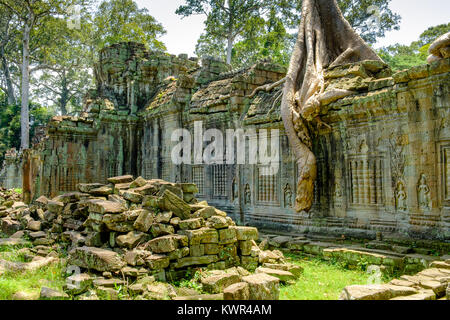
(260,29)
(123,21)
(10,123)
(400,57)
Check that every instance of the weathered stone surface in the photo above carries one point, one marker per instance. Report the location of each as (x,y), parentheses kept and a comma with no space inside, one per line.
(227,236)
(132,196)
(48,293)
(197,261)
(87,187)
(136,257)
(170,202)
(121,179)
(55,207)
(10,226)
(144,221)
(191,224)
(217,282)
(375,292)
(284,276)
(103,206)
(237,291)
(138,182)
(34,225)
(262,287)
(96,258)
(161,229)
(164,244)
(200,297)
(131,239)
(164,217)
(78,283)
(157,262)
(246,233)
(202,235)
(294,269)
(102,191)
(423,295)
(25,295)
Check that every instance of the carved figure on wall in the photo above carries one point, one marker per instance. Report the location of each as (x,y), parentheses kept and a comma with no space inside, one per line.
(423,193)
(234,190)
(288,196)
(325,39)
(247,195)
(401,196)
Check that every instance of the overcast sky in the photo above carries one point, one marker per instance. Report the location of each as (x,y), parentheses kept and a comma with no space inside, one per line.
(182,34)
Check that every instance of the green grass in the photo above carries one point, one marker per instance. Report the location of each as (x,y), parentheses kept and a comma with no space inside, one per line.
(29,281)
(321,280)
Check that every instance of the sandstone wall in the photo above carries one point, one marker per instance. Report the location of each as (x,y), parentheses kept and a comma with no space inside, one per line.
(11,172)
(383,167)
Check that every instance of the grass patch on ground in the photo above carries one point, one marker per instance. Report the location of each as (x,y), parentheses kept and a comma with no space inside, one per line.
(321,280)
(31,281)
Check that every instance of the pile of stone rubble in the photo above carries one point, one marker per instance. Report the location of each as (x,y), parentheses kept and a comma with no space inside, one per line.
(141,235)
(429,284)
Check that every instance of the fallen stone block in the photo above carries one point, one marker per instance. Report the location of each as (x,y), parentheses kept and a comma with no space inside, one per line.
(217,282)
(87,187)
(132,196)
(375,292)
(102,191)
(227,236)
(296,270)
(121,179)
(246,233)
(237,291)
(78,283)
(171,202)
(195,261)
(48,293)
(144,221)
(423,295)
(262,287)
(200,297)
(157,262)
(440,265)
(164,244)
(202,235)
(284,276)
(191,224)
(131,239)
(96,259)
(161,229)
(10,226)
(104,206)
(55,207)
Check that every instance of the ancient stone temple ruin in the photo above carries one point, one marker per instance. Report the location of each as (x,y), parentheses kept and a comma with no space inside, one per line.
(383,165)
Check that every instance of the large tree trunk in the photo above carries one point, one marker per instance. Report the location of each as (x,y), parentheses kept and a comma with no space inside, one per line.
(9,84)
(229,50)
(24,114)
(64,99)
(325,39)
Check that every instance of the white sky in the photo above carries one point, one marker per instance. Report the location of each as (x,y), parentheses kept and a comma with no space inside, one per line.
(182,34)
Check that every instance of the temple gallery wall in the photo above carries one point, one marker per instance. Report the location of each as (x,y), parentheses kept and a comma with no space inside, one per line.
(382,167)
